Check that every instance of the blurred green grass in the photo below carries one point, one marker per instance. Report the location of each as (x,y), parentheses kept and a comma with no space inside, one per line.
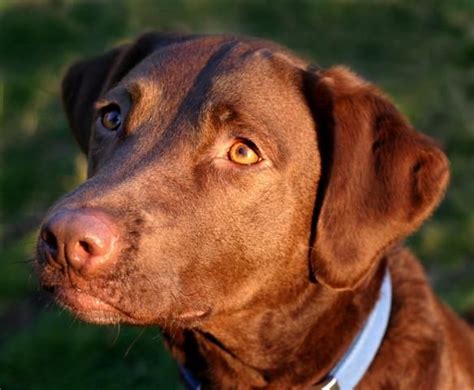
(422,54)
(56,353)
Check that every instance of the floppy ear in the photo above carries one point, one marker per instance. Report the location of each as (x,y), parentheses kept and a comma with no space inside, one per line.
(86,81)
(380,177)
(81,87)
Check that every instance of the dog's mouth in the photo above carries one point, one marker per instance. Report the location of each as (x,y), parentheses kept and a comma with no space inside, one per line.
(90,308)
(96,310)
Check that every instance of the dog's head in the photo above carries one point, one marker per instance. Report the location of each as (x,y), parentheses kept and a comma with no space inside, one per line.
(222,170)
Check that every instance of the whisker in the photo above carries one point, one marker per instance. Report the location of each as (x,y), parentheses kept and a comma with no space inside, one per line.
(134,342)
(158,336)
(117,334)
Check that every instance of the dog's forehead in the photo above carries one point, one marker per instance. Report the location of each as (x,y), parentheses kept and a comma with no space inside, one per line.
(207,64)
(253,75)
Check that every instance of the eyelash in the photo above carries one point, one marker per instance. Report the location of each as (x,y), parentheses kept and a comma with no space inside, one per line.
(251,144)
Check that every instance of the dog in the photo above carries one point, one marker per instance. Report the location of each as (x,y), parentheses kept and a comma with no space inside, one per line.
(253,206)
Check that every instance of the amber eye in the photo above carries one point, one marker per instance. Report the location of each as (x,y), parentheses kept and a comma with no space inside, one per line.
(243,153)
(111,117)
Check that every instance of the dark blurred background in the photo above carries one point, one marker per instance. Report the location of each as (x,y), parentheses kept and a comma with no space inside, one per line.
(421,53)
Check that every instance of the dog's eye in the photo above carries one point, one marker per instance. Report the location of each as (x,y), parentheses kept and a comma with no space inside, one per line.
(111,117)
(243,153)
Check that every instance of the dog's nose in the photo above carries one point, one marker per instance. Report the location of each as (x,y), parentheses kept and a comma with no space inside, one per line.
(85,240)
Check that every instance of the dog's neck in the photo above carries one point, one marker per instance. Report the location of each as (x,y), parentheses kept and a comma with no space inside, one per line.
(294,341)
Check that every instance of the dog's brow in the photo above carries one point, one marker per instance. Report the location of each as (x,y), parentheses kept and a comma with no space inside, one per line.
(135,90)
(132,90)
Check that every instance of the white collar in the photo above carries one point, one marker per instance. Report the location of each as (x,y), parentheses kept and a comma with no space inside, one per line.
(360,354)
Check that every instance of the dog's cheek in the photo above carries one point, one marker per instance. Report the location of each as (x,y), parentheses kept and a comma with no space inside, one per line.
(100,151)
(239,246)
(215,249)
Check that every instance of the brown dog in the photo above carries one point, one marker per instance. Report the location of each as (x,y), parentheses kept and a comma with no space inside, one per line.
(249,205)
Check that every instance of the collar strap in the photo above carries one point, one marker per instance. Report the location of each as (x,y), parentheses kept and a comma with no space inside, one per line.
(190,382)
(360,354)
(356,361)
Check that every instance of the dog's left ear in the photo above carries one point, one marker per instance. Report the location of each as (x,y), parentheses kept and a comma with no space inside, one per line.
(380,177)
(82,84)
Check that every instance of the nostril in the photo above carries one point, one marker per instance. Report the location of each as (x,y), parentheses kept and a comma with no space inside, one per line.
(86,247)
(85,250)
(50,239)
(49,250)
(49,289)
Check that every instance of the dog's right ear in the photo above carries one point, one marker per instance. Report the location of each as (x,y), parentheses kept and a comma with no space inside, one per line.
(87,80)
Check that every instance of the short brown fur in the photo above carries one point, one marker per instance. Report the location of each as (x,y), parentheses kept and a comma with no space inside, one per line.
(260,276)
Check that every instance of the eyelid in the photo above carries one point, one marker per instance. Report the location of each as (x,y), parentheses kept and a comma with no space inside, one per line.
(222,149)
(106,108)
(251,144)
(102,104)
(119,96)
(250,133)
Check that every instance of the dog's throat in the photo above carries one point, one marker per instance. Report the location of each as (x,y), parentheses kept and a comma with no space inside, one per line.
(345,372)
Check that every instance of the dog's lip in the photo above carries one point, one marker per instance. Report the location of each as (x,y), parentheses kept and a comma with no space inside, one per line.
(189,318)
(83,300)
(89,307)
(193,317)
(191,314)
(92,309)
